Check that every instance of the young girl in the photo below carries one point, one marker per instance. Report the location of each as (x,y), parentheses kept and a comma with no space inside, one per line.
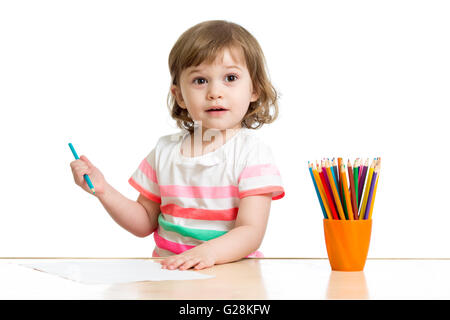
(205,192)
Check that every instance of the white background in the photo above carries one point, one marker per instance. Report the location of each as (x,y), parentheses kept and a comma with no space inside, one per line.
(356,78)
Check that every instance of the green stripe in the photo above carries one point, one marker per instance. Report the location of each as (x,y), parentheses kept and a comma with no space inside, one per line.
(200,234)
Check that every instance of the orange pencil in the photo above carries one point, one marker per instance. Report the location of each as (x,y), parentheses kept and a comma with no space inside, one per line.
(335,193)
(351,213)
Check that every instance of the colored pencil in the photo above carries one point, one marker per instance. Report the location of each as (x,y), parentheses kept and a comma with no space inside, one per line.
(352,186)
(335,177)
(351,214)
(316,172)
(322,193)
(86,177)
(317,190)
(360,167)
(328,184)
(327,187)
(343,197)
(339,171)
(328,195)
(366,190)
(341,190)
(335,193)
(375,190)
(344,204)
(372,187)
(335,171)
(355,177)
(361,180)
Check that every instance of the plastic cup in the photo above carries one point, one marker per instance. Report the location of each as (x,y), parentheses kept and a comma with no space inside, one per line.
(347,243)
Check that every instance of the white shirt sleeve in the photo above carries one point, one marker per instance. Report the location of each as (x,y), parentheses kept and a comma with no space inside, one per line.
(145,179)
(260,174)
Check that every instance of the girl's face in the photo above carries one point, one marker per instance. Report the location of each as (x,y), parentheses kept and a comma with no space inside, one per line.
(224,84)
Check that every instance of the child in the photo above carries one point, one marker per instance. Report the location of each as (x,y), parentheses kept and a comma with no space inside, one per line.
(205,192)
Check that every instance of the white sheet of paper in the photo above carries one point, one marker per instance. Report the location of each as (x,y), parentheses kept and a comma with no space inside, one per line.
(98,271)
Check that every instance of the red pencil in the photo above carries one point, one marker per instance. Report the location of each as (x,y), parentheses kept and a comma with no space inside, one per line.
(327,192)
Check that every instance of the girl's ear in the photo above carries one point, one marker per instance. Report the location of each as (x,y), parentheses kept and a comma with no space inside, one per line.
(178,96)
(255,96)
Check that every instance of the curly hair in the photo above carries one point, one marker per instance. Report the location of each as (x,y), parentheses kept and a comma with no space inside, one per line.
(202,43)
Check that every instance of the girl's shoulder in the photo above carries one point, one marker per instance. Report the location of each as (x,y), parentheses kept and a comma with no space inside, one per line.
(166,145)
(250,145)
(251,140)
(170,139)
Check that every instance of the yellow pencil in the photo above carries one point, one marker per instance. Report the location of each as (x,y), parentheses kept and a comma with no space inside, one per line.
(321,192)
(333,188)
(346,193)
(366,191)
(377,168)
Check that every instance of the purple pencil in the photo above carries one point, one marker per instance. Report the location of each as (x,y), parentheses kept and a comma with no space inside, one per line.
(369,198)
(361,181)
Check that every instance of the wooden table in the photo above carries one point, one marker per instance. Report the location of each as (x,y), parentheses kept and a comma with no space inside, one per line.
(267,278)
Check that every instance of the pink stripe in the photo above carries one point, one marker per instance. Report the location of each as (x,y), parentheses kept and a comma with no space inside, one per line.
(144,192)
(147,169)
(200,214)
(176,248)
(277,192)
(259,170)
(199,192)
(256,254)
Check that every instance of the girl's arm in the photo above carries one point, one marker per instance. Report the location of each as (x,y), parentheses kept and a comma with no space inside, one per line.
(138,217)
(238,243)
(248,233)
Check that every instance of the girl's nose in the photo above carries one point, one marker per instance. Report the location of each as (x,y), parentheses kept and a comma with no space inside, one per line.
(214,91)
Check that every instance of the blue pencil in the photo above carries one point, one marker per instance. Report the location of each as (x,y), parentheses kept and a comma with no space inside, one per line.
(334,178)
(318,194)
(86,177)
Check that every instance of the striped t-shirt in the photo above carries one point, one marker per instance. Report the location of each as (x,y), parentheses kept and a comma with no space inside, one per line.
(199,196)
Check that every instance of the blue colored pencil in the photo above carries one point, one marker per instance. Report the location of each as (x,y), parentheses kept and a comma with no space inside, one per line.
(318,194)
(86,177)
(335,176)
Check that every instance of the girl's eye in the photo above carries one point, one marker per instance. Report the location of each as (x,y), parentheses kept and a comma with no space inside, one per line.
(231,78)
(199,81)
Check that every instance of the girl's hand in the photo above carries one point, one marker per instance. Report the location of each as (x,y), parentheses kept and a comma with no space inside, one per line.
(83,166)
(198,258)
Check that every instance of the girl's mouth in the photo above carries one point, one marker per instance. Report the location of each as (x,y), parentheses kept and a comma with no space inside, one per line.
(217,111)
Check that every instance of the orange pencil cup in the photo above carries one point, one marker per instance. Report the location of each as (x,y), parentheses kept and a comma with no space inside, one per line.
(347,243)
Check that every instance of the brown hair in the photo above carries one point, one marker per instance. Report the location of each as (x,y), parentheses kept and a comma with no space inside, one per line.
(202,43)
